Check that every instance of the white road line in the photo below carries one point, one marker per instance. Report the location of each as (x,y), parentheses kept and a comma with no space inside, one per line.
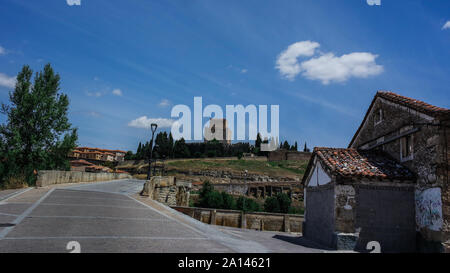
(101,217)
(8,214)
(14,194)
(165,215)
(87,205)
(93,198)
(19,219)
(106,237)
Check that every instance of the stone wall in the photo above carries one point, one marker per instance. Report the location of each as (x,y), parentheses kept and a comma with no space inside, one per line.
(46,178)
(280,155)
(166,190)
(248,220)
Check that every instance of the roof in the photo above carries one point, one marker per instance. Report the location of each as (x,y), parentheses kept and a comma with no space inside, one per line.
(349,162)
(419,106)
(81,161)
(102,150)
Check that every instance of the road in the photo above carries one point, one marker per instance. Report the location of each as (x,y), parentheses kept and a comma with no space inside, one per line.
(111,217)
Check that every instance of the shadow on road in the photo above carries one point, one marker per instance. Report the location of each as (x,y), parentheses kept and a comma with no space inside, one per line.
(301,241)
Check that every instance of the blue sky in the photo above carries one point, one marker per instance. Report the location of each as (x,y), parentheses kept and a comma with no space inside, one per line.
(120,60)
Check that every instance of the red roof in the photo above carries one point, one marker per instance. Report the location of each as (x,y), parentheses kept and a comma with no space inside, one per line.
(363,164)
(417,105)
(82,162)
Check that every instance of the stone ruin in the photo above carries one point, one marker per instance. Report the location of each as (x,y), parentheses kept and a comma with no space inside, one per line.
(166,190)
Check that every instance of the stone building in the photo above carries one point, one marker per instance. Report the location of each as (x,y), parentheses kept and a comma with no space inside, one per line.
(414,135)
(218,130)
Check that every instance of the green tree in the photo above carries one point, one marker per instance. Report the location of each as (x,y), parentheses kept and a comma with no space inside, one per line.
(247,204)
(37,134)
(279,203)
(228,201)
(271,204)
(180,149)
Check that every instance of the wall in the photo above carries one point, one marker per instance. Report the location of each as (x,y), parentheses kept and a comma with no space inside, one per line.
(280,155)
(250,220)
(46,178)
(319,216)
(166,190)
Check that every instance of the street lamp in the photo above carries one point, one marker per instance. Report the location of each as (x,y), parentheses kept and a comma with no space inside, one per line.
(153,127)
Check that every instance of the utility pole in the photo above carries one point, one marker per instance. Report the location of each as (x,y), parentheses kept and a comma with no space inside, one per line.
(153,128)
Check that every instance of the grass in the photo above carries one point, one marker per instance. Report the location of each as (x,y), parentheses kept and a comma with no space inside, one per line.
(282,168)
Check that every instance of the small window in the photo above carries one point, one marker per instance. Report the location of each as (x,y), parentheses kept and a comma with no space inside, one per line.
(406,148)
(378,116)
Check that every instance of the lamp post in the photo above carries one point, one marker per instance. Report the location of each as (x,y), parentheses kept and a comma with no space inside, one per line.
(153,127)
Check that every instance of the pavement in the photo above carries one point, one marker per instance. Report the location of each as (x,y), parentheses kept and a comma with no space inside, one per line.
(111,217)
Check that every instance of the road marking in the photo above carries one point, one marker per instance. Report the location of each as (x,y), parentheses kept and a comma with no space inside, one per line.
(14,194)
(165,215)
(105,237)
(101,217)
(8,214)
(19,219)
(87,205)
(93,198)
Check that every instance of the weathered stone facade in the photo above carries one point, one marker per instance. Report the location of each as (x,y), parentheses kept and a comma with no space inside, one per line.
(429,160)
(166,190)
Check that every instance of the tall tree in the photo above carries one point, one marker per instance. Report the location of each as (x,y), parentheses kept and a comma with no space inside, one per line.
(37,134)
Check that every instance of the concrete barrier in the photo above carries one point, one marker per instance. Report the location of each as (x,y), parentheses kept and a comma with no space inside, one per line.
(249,220)
(46,178)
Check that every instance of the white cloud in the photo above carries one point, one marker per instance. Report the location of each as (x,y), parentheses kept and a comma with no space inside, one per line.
(73,2)
(446,25)
(243,71)
(2,50)
(7,81)
(144,122)
(328,67)
(374,2)
(287,61)
(94,94)
(117,92)
(164,103)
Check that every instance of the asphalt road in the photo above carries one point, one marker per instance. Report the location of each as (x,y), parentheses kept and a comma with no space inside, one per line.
(104,217)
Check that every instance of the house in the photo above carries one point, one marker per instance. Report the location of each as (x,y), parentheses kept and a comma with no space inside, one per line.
(80,165)
(97,154)
(366,190)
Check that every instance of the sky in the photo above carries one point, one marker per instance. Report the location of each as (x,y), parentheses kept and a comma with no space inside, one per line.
(126,63)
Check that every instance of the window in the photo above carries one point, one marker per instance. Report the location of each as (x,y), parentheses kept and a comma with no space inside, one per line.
(378,116)
(406,148)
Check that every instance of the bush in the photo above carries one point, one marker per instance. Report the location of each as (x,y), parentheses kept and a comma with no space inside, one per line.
(247,204)
(271,205)
(228,201)
(279,203)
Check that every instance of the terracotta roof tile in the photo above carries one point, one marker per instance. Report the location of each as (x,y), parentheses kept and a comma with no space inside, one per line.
(369,164)
(413,103)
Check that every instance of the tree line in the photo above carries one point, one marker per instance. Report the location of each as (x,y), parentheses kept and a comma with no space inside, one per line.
(165,147)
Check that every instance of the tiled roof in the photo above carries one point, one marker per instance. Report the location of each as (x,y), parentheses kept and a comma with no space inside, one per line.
(81,161)
(364,164)
(417,105)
